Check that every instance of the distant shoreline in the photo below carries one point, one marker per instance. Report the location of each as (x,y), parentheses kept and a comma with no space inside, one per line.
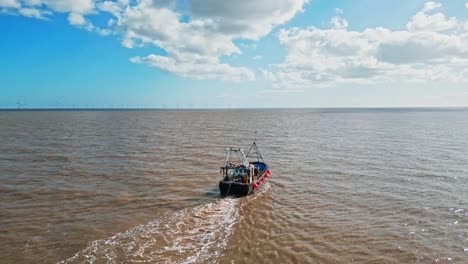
(338,109)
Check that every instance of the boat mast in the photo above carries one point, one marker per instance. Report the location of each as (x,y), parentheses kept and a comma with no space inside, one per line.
(254,152)
(228,156)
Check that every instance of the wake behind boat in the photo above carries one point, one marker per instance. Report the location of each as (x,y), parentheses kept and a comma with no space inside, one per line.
(240,176)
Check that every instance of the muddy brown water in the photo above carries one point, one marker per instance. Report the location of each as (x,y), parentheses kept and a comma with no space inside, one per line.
(347,185)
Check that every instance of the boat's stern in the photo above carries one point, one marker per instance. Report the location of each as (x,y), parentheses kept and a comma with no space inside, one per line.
(234,188)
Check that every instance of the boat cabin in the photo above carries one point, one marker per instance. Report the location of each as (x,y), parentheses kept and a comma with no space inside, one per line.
(239,173)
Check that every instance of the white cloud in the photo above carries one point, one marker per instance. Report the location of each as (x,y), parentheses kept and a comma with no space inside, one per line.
(193,37)
(245,18)
(339,11)
(208,35)
(40,8)
(197,43)
(248,46)
(66,6)
(31,12)
(9,4)
(191,48)
(76,19)
(324,57)
(197,35)
(196,69)
(114,8)
(339,22)
(436,22)
(466,5)
(429,6)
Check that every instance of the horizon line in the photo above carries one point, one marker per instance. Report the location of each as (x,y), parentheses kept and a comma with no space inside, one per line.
(231,108)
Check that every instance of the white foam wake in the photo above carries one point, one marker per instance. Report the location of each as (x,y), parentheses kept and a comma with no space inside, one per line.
(193,235)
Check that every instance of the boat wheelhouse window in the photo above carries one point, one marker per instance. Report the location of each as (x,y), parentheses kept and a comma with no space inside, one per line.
(230,172)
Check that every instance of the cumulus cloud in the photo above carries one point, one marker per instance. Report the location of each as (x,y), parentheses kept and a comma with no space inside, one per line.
(423,21)
(190,46)
(339,22)
(63,6)
(76,19)
(197,69)
(428,6)
(194,36)
(245,18)
(9,4)
(433,49)
(31,12)
(197,43)
(41,9)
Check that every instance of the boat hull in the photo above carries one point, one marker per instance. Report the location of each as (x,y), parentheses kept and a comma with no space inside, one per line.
(234,188)
(227,188)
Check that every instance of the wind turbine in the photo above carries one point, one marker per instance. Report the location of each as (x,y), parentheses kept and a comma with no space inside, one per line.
(20,104)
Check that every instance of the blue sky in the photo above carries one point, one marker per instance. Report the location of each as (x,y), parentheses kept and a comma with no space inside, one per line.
(220,54)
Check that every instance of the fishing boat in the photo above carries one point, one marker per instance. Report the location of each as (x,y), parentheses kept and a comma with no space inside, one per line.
(243,174)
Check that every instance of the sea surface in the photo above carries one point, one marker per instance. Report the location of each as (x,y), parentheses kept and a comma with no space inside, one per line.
(347,186)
